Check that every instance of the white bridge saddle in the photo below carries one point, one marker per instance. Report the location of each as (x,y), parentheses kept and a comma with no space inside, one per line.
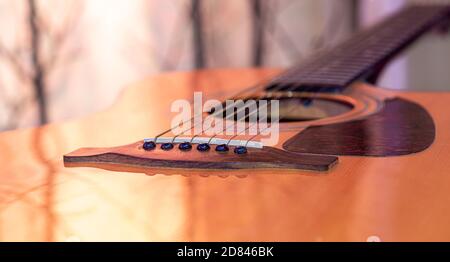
(206,140)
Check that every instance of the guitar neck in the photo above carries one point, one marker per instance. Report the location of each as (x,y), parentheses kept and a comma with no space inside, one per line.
(365,52)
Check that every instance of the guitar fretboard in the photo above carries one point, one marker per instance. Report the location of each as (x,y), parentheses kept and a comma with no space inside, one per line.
(364,52)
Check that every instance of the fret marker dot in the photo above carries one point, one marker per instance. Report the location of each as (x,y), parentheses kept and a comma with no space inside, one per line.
(203,147)
(167,146)
(185,146)
(222,148)
(150,145)
(240,150)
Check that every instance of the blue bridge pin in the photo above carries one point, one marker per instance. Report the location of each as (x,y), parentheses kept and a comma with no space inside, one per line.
(203,147)
(167,146)
(222,148)
(186,146)
(240,150)
(307,101)
(149,145)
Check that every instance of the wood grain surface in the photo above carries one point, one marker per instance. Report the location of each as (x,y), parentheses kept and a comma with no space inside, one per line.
(403,198)
(400,128)
(134,156)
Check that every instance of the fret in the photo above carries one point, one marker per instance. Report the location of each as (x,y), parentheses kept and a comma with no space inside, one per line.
(365,50)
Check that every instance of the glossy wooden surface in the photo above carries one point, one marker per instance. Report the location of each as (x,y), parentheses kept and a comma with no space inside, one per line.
(398,198)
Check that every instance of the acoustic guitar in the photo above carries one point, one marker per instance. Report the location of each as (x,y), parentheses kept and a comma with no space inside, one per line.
(353,161)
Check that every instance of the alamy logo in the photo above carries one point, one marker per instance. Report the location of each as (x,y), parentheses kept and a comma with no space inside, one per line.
(234,118)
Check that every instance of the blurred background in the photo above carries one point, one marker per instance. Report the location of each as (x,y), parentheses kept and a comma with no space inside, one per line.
(63,59)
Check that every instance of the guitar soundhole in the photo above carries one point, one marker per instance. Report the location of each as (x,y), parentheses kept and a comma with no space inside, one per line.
(291,109)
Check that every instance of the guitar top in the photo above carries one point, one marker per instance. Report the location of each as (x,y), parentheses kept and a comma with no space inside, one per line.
(352,161)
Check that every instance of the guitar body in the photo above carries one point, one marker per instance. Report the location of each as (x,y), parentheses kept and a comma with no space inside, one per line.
(379,171)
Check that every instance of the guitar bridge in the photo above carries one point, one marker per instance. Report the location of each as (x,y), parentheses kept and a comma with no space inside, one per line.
(134,158)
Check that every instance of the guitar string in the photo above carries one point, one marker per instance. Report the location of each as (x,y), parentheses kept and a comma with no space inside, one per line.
(236,112)
(314,63)
(307,89)
(256,135)
(358,50)
(317,59)
(320,58)
(358,47)
(191,119)
(289,91)
(252,95)
(312,67)
(258,108)
(253,137)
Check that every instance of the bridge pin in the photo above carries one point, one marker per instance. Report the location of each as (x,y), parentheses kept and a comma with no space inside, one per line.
(203,147)
(149,145)
(306,102)
(222,148)
(240,150)
(167,146)
(185,146)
